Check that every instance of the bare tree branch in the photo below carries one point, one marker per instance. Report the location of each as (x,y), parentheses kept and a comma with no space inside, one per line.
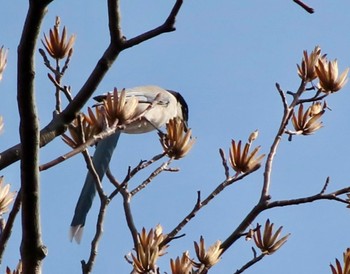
(155,173)
(224,163)
(143,165)
(288,111)
(5,235)
(283,97)
(104,201)
(128,215)
(96,138)
(117,44)
(250,263)
(326,184)
(265,197)
(309,199)
(200,204)
(304,6)
(32,249)
(87,267)
(260,207)
(167,26)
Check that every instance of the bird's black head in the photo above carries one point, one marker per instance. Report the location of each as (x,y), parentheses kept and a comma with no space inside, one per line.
(183,104)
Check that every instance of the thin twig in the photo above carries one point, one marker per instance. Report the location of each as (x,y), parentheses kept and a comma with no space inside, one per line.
(291,133)
(224,164)
(143,165)
(6,233)
(288,111)
(67,92)
(225,184)
(312,99)
(128,215)
(167,26)
(265,197)
(122,189)
(64,89)
(250,263)
(304,6)
(65,66)
(325,186)
(87,267)
(185,220)
(46,60)
(114,182)
(131,173)
(155,173)
(283,96)
(200,204)
(104,201)
(93,140)
(93,172)
(309,199)
(58,77)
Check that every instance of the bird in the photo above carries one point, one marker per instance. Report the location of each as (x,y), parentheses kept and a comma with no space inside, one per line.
(159,106)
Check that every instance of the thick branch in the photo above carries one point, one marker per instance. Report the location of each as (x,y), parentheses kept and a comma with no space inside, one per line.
(32,249)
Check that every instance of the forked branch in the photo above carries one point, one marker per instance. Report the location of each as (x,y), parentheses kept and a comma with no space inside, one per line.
(118,43)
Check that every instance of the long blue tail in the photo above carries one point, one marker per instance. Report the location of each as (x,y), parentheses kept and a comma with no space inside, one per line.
(102,156)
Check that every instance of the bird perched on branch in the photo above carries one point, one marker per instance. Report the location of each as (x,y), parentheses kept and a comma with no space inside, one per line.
(155,106)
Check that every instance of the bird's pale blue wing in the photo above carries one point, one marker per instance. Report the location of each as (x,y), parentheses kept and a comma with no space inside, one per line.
(144,94)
